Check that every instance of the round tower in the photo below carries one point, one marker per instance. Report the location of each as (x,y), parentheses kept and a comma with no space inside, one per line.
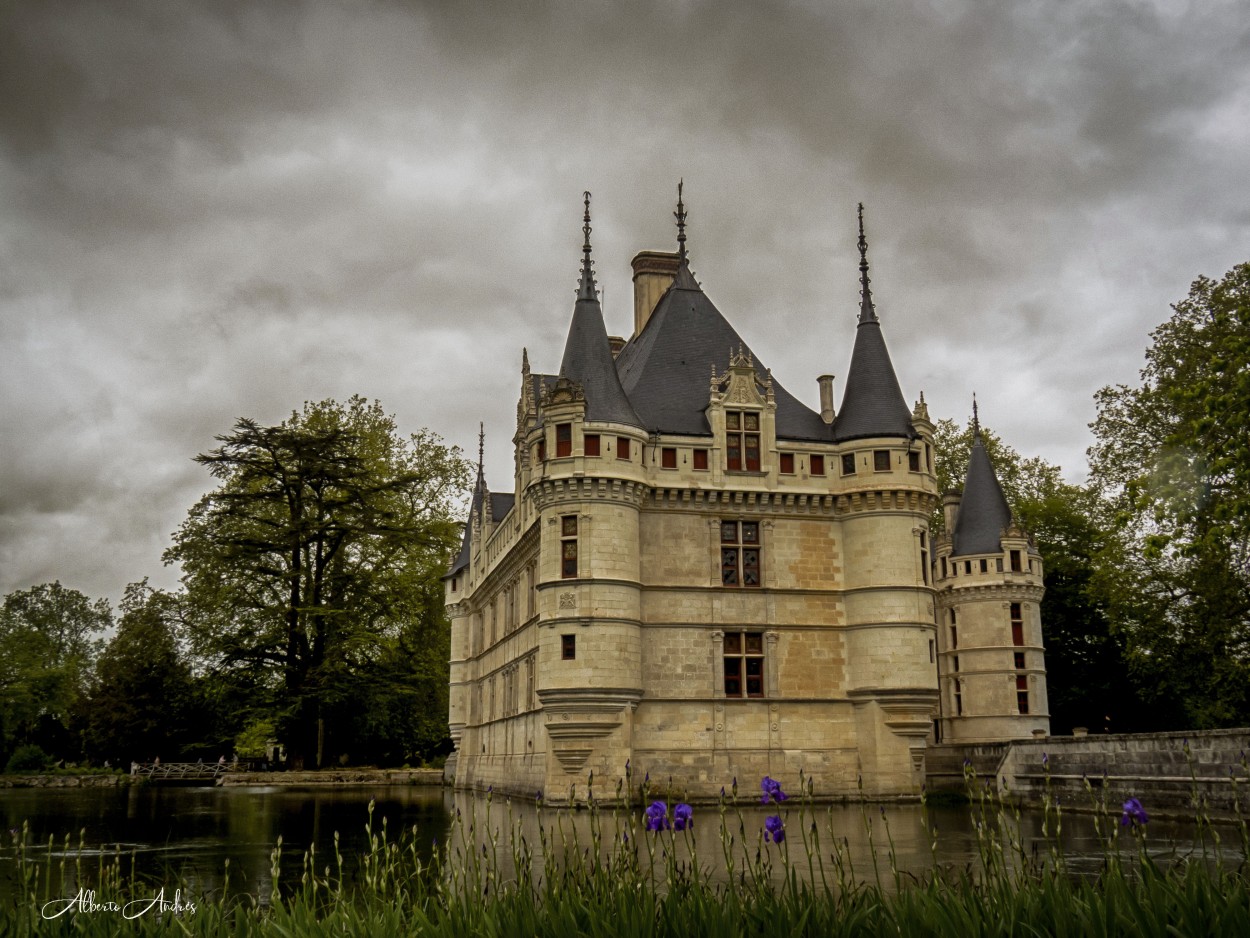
(887,491)
(988,574)
(587,491)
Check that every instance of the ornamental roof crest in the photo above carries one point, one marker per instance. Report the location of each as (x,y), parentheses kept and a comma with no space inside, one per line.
(741,383)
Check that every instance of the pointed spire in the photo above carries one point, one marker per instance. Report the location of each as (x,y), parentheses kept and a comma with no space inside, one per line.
(480,485)
(867,313)
(477,507)
(680,215)
(976,419)
(586,288)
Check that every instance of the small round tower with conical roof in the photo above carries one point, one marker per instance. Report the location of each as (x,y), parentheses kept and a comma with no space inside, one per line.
(988,575)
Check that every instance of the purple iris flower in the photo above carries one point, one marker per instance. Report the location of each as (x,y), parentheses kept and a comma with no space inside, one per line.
(774,829)
(657,816)
(772,790)
(1134,813)
(683,817)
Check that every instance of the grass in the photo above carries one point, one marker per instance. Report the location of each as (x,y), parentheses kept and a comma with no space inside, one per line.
(620,871)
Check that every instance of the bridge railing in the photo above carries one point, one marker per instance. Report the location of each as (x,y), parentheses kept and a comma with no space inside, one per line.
(175,770)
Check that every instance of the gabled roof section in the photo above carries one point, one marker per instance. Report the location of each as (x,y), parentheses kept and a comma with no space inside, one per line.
(665,368)
(873,404)
(983,510)
(587,353)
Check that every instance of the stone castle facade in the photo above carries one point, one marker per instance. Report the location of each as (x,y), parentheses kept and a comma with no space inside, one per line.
(695,573)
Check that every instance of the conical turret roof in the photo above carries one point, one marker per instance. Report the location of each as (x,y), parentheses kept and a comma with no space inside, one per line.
(587,353)
(873,404)
(983,510)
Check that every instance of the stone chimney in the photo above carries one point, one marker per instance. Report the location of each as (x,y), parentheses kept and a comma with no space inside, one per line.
(653,272)
(826,397)
(615,344)
(950,508)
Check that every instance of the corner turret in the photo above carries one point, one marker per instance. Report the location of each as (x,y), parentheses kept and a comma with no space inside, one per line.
(988,576)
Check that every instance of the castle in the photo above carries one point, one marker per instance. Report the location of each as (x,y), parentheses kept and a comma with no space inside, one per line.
(696,574)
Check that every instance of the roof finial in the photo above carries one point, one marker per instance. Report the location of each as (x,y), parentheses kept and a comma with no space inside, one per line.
(586,288)
(481,450)
(976,419)
(866,311)
(680,215)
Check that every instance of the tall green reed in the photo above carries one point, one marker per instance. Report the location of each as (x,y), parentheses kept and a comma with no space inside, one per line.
(600,869)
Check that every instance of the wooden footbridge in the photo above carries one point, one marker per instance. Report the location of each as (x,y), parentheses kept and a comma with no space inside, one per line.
(185,771)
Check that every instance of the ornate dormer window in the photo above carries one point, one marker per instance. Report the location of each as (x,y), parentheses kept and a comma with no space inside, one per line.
(740,410)
(742,440)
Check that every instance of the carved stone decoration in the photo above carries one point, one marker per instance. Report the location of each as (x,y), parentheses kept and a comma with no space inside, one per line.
(909,719)
(572,759)
(568,600)
(565,391)
(585,714)
(921,409)
(741,384)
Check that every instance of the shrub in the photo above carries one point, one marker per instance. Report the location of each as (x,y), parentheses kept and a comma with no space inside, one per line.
(27,758)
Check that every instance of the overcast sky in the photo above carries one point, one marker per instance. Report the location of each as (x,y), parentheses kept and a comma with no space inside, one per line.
(213,210)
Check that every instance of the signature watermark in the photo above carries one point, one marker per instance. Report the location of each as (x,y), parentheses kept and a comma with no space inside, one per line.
(85,901)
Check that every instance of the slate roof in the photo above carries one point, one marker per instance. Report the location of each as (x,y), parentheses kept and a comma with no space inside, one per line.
(500,504)
(588,361)
(872,404)
(666,368)
(983,510)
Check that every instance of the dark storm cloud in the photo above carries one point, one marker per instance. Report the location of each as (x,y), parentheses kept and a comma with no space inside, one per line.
(214,210)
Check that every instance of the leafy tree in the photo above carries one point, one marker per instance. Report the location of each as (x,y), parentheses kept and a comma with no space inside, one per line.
(48,644)
(141,703)
(401,711)
(1088,680)
(1171,456)
(306,567)
(252,741)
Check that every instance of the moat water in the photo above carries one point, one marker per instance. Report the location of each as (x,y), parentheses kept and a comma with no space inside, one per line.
(184,836)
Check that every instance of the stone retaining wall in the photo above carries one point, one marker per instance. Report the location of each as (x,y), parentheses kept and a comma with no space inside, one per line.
(336,777)
(1164,770)
(62,781)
